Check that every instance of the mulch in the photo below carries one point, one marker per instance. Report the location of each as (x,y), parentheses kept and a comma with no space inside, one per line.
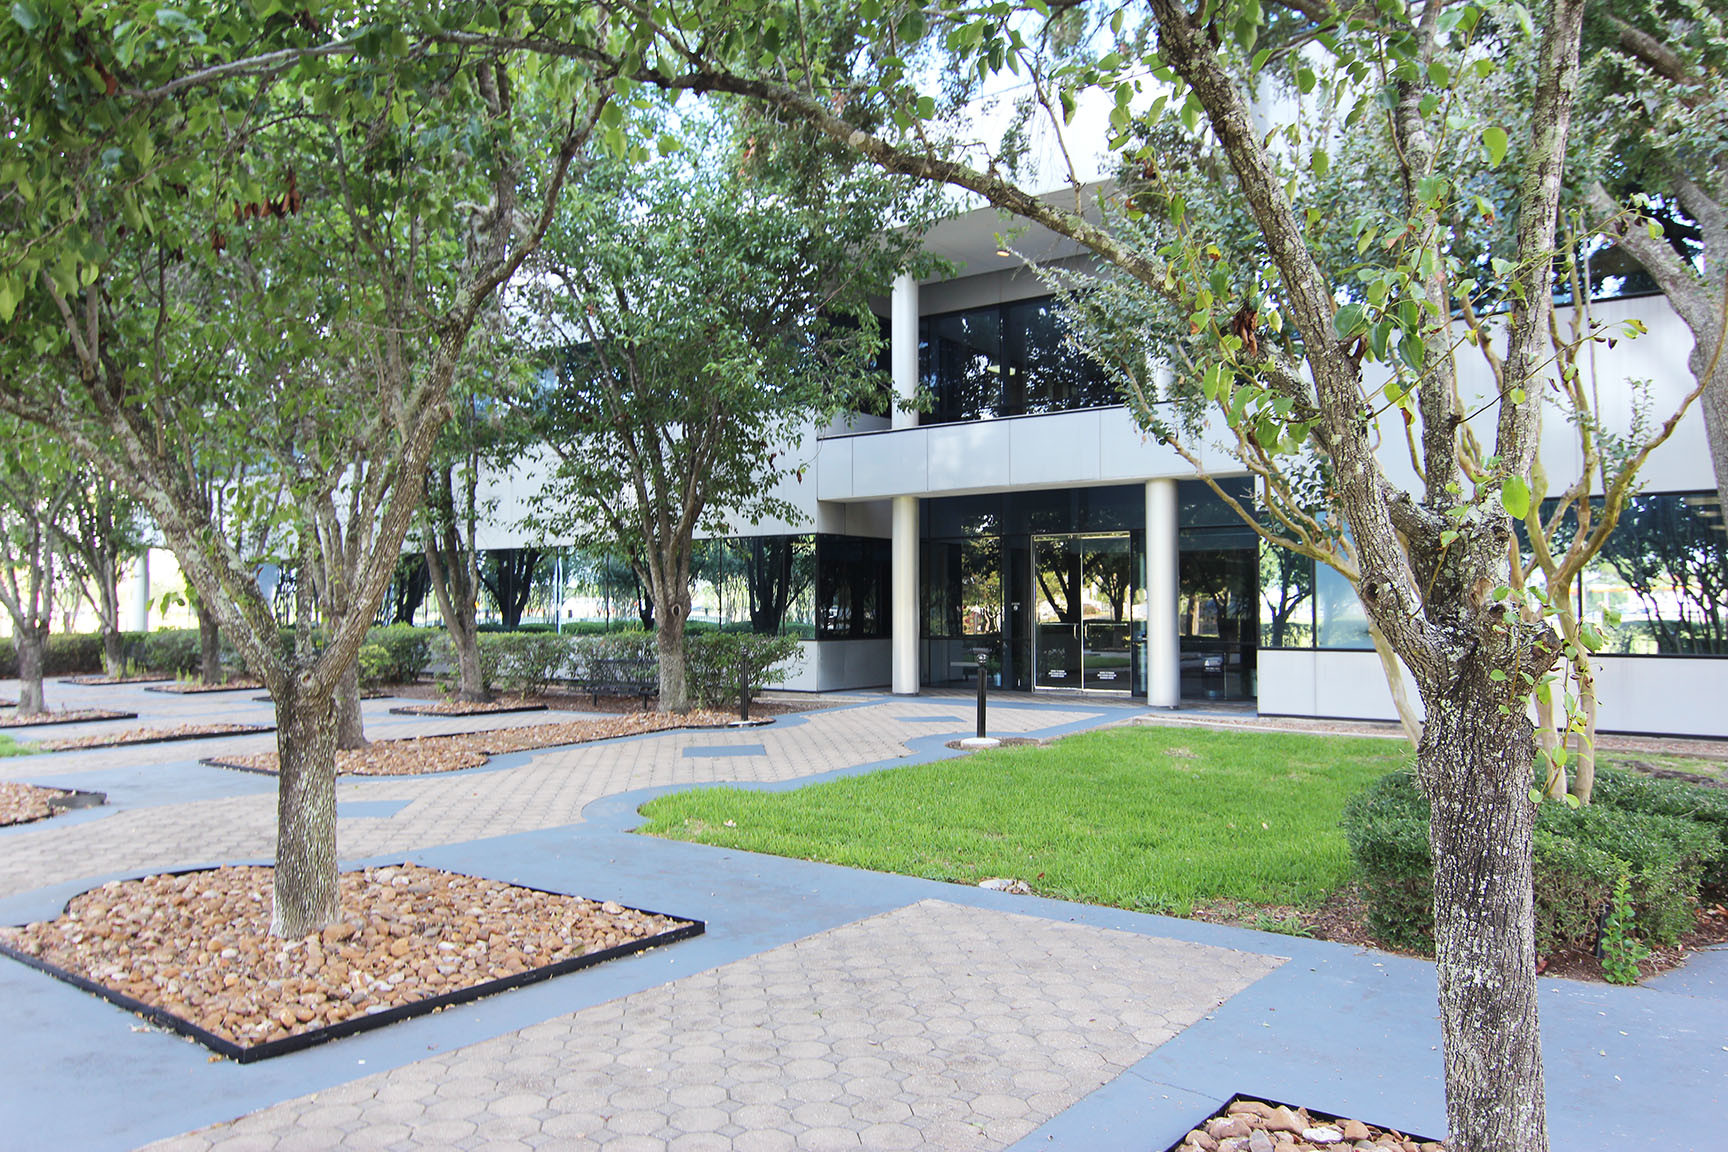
(104,681)
(424,755)
(193,688)
(68,716)
(154,736)
(466,708)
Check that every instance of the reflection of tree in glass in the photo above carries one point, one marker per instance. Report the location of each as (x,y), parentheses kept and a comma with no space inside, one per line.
(1222,581)
(980,601)
(1677,563)
(1111,575)
(509,575)
(1054,565)
(1290,576)
(771,577)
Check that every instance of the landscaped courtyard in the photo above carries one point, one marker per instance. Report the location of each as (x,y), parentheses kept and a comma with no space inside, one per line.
(821,1003)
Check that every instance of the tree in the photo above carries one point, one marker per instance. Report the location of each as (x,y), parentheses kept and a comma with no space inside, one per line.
(1429,561)
(1661,135)
(509,575)
(697,300)
(381,187)
(37,484)
(105,530)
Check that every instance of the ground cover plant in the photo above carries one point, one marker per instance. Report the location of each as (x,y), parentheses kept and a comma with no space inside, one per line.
(11,747)
(1153,819)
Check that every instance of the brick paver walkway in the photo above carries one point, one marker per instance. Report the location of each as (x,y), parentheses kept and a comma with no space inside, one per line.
(933,1026)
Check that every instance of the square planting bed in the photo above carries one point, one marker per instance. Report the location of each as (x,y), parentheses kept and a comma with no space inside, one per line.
(452,708)
(1256,1124)
(73,716)
(190,951)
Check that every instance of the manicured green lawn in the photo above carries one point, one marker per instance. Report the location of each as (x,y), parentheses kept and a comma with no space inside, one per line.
(11,747)
(1153,819)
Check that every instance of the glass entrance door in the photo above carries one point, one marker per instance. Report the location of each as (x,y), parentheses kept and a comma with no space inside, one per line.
(1089,612)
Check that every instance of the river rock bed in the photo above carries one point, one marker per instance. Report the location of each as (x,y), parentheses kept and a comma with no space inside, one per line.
(23,803)
(197,945)
(10,718)
(1256,1126)
(423,754)
(153,735)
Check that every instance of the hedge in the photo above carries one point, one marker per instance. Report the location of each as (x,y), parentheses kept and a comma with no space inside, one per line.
(1666,841)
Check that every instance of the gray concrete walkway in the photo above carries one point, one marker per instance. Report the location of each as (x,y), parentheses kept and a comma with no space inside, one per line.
(824,1007)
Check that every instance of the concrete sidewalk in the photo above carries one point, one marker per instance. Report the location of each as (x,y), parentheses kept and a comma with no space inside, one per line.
(824,1007)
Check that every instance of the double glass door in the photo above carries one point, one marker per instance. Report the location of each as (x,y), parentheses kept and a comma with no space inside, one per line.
(1089,612)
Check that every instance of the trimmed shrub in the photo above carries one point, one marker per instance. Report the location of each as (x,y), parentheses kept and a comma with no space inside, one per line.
(376,666)
(1579,856)
(1637,792)
(407,651)
(172,651)
(716,660)
(524,662)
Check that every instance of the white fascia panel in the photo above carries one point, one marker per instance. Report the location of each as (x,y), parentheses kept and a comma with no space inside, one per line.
(968,455)
(890,464)
(1058,449)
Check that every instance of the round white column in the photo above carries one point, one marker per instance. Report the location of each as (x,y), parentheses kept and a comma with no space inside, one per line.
(903,347)
(140,621)
(1163,659)
(903,619)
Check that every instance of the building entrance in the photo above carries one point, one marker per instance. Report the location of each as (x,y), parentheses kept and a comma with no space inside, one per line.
(1089,612)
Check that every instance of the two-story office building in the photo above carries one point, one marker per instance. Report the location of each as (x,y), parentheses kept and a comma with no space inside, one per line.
(1025,513)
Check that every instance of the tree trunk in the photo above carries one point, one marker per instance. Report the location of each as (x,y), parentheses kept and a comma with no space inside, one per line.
(1584,759)
(305,881)
(350,725)
(1394,671)
(1475,764)
(669,643)
(450,573)
(113,651)
(32,645)
(471,686)
(209,647)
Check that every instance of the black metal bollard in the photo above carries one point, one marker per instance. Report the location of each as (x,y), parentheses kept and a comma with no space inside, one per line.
(983,655)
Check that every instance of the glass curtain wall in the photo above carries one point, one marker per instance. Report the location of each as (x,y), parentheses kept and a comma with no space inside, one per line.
(1006,360)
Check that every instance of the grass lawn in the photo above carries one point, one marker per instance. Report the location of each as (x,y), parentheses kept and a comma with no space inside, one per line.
(11,747)
(1152,819)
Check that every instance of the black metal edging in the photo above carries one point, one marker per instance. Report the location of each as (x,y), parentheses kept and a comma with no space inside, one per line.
(422,710)
(251,1054)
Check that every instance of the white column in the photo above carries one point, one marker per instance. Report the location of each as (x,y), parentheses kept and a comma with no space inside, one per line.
(903,347)
(904,618)
(141,594)
(1163,660)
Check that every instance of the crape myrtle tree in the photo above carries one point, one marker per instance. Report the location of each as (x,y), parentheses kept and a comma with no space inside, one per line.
(1432,560)
(701,311)
(104,530)
(486,430)
(145,144)
(1659,124)
(38,479)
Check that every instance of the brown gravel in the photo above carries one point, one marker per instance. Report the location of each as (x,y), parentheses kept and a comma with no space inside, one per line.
(152,735)
(198,945)
(1245,1124)
(422,754)
(467,708)
(68,716)
(22,803)
(194,688)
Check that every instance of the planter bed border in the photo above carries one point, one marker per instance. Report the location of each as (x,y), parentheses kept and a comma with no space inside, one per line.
(203,689)
(99,681)
(424,710)
(72,800)
(1318,1116)
(240,730)
(252,1053)
(102,715)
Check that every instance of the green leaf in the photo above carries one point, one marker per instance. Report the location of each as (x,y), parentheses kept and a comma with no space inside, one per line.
(1347,321)
(1320,162)
(911,26)
(25,16)
(1494,139)
(1515,497)
(1305,80)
